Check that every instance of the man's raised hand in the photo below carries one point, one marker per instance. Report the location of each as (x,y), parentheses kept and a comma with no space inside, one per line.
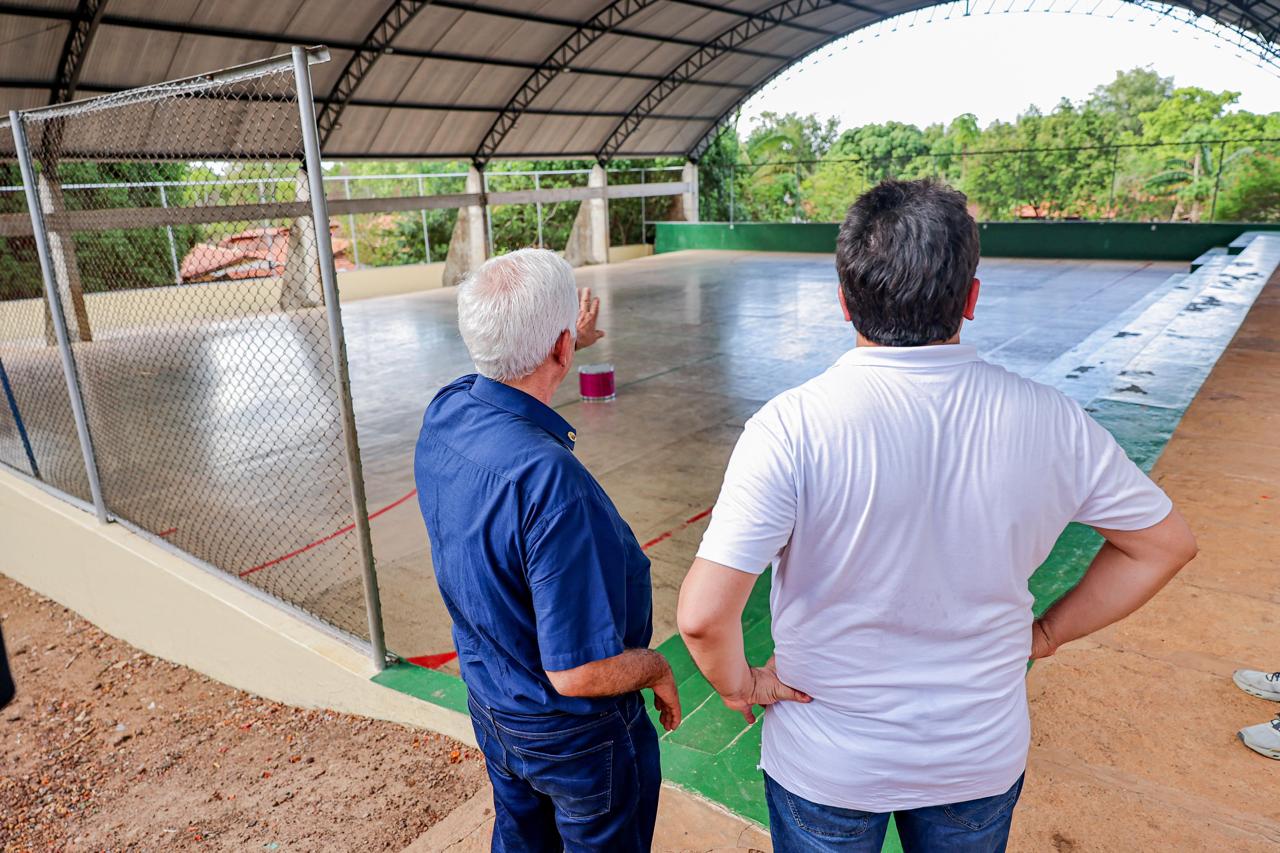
(588,313)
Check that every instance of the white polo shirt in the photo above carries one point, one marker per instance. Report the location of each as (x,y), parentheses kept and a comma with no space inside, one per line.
(905,496)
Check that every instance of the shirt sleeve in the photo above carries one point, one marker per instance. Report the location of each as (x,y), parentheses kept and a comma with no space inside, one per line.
(577,577)
(1113,492)
(756,511)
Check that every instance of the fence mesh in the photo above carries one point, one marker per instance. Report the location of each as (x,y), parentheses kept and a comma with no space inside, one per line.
(198,328)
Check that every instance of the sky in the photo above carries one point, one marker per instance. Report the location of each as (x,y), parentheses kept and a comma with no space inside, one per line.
(995,65)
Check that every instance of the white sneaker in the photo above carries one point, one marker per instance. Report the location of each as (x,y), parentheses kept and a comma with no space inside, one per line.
(1263,738)
(1264,685)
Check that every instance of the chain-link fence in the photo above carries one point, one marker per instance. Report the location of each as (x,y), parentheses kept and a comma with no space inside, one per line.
(216,408)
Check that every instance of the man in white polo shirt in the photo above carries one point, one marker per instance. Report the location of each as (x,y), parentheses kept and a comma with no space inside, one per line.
(904,497)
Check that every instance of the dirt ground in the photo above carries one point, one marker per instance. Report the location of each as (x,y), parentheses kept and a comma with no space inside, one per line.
(107,748)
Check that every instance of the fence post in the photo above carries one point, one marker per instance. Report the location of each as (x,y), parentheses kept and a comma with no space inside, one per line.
(1217,181)
(489,250)
(733,180)
(55,311)
(426,234)
(1111,199)
(537,186)
(337,343)
(644,208)
(351,222)
(173,244)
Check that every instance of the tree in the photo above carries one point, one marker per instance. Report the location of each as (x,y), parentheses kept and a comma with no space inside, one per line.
(1129,95)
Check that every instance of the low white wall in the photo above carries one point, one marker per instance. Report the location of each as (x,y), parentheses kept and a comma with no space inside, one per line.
(23,319)
(629,252)
(164,605)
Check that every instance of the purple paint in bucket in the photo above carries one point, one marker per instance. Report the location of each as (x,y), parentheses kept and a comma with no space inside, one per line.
(595,383)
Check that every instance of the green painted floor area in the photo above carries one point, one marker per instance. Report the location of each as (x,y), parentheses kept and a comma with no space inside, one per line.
(1168,345)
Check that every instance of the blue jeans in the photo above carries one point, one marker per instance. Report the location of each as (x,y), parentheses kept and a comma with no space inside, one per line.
(974,826)
(568,782)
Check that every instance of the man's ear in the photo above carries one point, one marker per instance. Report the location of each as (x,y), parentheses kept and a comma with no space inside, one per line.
(844,306)
(972,302)
(563,350)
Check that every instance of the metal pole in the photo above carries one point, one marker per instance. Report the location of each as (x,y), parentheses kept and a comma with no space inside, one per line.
(1217,181)
(488,215)
(55,312)
(173,245)
(266,229)
(351,221)
(644,209)
(1111,200)
(733,179)
(537,186)
(426,234)
(337,343)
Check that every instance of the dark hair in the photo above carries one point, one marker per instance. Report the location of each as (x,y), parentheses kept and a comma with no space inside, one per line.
(906,256)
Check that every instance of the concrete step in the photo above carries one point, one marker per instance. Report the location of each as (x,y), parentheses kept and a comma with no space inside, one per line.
(1203,259)
(1091,367)
(1169,369)
(1240,243)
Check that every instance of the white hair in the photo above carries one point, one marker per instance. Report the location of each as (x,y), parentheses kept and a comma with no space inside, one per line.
(513,308)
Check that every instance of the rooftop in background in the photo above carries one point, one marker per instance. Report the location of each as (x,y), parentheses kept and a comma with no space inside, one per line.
(480,79)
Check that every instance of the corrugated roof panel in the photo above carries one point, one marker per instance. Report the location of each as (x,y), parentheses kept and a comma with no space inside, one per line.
(441,81)
(478,34)
(409,132)
(661,136)
(539,134)
(680,21)
(591,91)
(621,54)
(30,48)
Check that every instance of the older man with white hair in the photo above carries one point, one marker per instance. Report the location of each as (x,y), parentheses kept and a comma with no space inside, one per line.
(546,584)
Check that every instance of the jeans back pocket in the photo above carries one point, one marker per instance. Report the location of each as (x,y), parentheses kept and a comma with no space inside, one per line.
(579,783)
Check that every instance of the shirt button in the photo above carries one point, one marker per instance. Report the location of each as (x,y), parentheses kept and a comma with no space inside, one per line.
(573,436)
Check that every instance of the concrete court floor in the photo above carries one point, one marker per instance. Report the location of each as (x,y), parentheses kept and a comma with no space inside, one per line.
(700,340)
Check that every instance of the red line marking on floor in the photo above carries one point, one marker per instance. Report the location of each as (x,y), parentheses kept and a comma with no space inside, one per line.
(432,661)
(334,535)
(662,537)
(169,532)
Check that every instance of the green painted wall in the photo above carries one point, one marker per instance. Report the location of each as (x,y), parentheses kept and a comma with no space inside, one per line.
(1146,241)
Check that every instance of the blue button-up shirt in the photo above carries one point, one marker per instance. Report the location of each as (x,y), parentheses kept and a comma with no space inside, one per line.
(537,569)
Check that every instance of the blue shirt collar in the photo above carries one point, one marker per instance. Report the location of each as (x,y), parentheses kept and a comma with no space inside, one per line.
(523,405)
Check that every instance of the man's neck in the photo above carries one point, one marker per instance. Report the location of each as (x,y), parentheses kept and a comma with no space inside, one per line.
(954,339)
(540,385)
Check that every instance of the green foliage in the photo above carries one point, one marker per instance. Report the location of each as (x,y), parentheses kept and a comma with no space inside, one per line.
(1136,148)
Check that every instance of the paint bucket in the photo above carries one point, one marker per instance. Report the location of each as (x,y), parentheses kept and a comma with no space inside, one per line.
(595,383)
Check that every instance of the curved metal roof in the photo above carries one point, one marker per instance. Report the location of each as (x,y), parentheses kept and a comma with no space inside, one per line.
(470,79)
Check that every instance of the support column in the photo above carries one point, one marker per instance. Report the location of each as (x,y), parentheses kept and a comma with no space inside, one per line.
(689,200)
(468,248)
(62,246)
(589,240)
(300,285)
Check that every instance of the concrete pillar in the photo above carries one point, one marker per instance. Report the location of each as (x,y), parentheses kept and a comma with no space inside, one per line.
(300,283)
(589,239)
(689,200)
(469,246)
(66,269)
